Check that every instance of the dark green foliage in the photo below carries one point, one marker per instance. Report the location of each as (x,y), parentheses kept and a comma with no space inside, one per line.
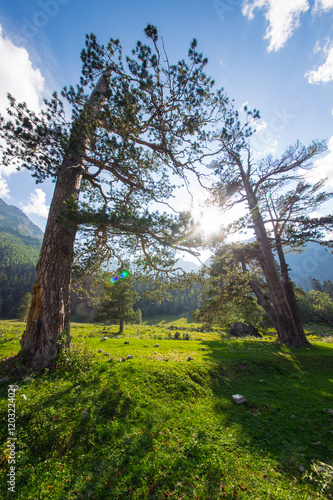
(316,307)
(17,270)
(24,307)
(325,286)
(179,301)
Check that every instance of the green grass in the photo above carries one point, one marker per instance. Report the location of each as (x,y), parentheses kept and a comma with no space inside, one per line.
(149,428)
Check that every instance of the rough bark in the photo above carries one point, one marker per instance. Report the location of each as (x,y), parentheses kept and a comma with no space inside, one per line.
(288,287)
(284,322)
(49,316)
(263,300)
(121,325)
(49,313)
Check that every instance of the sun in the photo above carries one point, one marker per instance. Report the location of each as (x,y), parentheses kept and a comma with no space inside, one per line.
(210,221)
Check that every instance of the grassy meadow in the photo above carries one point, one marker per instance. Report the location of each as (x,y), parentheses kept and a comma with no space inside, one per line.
(158,426)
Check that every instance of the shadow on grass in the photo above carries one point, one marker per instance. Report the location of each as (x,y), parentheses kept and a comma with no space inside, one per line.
(286,391)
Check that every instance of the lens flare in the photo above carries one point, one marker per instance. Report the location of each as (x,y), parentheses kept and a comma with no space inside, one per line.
(114,279)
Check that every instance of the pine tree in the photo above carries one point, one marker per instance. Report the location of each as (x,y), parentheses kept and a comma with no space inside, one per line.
(134,121)
(117,302)
(242,179)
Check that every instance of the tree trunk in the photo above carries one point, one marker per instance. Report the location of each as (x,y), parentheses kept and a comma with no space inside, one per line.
(49,316)
(121,325)
(284,323)
(288,287)
(49,313)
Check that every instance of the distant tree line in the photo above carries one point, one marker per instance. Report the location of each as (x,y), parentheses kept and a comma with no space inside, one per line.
(18,258)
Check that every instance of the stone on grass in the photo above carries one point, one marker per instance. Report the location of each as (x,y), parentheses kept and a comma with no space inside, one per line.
(122,359)
(104,338)
(156,345)
(242,330)
(4,379)
(155,352)
(189,358)
(203,349)
(317,443)
(110,360)
(107,354)
(130,356)
(126,342)
(238,399)
(100,350)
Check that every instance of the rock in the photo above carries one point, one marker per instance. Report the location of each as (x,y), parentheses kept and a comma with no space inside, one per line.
(317,443)
(104,338)
(110,360)
(122,359)
(203,349)
(24,396)
(130,356)
(126,342)
(293,416)
(238,399)
(117,337)
(13,387)
(107,354)
(189,358)
(156,345)
(242,330)
(155,352)
(166,360)
(100,350)
(4,379)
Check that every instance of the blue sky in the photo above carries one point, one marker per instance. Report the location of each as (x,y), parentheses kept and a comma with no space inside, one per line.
(275,55)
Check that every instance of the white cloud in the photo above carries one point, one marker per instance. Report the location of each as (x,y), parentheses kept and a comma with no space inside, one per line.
(323,5)
(4,189)
(325,72)
(18,76)
(323,168)
(283,18)
(37,204)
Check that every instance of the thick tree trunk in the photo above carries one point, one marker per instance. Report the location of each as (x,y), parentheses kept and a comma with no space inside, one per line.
(48,325)
(284,321)
(50,309)
(121,325)
(288,287)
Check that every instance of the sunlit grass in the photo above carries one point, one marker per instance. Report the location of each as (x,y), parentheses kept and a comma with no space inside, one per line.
(159,426)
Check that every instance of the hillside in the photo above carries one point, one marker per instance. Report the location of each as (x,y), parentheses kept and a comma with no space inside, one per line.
(12,218)
(20,242)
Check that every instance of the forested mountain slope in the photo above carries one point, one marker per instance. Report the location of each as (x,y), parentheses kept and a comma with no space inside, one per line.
(20,242)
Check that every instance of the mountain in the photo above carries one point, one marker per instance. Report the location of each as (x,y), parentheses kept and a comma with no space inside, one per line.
(314,262)
(13,219)
(20,242)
